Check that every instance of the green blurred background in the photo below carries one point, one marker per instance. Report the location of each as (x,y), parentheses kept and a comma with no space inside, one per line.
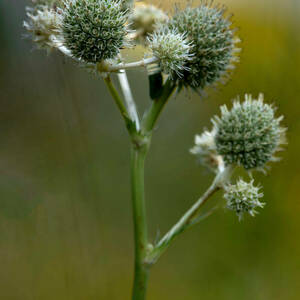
(65,211)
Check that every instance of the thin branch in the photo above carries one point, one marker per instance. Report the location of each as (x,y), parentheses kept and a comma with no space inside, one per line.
(131,107)
(106,66)
(190,218)
(141,63)
(115,95)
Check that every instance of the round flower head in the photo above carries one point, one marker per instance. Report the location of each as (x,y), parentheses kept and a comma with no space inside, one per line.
(243,197)
(145,19)
(44,25)
(94,30)
(172,49)
(213,44)
(248,134)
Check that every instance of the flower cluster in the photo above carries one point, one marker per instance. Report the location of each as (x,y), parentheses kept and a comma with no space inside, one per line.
(243,197)
(195,47)
(214,44)
(172,49)
(248,134)
(94,30)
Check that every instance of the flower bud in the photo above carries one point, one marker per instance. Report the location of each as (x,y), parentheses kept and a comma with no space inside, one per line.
(213,42)
(172,49)
(248,134)
(94,30)
(243,197)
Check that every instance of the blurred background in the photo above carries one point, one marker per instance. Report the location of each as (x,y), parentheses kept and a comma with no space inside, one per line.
(65,210)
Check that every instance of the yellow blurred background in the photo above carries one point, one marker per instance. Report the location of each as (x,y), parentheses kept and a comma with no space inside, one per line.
(65,211)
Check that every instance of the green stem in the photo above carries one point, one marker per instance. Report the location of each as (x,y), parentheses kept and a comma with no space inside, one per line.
(138,156)
(115,95)
(152,115)
(190,218)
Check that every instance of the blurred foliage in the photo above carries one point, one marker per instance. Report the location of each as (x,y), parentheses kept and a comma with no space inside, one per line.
(65,211)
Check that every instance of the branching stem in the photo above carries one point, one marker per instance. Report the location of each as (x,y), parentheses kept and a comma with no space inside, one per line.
(145,253)
(190,218)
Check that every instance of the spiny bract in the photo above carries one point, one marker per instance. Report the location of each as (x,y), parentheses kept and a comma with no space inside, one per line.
(94,30)
(248,134)
(213,44)
(172,49)
(243,197)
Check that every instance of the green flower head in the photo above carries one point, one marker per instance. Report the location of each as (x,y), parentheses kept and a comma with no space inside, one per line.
(210,33)
(248,134)
(243,197)
(94,30)
(172,49)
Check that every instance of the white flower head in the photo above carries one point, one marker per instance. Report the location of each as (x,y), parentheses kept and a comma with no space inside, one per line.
(44,25)
(205,150)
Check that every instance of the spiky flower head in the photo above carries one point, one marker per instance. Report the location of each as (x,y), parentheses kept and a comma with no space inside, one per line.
(213,40)
(248,134)
(172,49)
(44,25)
(205,151)
(94,30)
(243,197)
(145,19)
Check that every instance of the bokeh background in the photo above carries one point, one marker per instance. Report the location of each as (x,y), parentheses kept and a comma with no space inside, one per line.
(65,211)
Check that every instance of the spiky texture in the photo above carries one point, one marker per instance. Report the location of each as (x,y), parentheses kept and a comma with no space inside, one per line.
(94,30)
(243,197)
(172,49)
(249,133)
(213,42)
(145,19)
(44,25)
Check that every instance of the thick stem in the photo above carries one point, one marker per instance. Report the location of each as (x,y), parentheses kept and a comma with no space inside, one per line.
(138,155)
